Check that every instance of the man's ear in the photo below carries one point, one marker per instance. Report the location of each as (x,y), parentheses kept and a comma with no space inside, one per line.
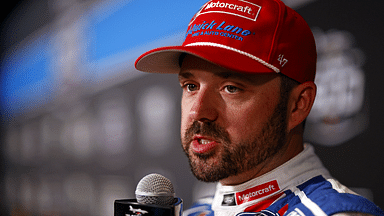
(300,103)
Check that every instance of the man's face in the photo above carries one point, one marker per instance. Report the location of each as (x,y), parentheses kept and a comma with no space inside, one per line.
(231,122)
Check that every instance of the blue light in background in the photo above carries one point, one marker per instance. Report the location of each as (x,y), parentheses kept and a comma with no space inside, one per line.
(26,72)
(139,22)
(26,77)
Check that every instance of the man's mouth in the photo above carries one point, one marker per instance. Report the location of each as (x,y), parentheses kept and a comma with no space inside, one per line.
(202,145)
(204,141)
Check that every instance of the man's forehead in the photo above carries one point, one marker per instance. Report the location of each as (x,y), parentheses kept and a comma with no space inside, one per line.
(255,78)
(192,64)
(220,74)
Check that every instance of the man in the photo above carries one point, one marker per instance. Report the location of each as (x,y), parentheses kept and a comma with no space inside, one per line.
(247,70)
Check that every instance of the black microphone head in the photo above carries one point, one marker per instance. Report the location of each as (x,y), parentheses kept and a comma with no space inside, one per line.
(155,189)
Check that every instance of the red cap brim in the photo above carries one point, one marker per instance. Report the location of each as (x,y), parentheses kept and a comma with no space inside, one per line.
(166,59)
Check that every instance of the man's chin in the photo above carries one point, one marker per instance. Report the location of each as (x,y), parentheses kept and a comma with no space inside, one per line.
(207,169)
(208,176)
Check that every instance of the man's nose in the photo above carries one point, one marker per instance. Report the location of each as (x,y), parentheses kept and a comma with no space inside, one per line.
(205,106)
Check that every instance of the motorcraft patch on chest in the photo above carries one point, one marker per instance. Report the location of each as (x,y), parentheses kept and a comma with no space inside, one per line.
(257,192)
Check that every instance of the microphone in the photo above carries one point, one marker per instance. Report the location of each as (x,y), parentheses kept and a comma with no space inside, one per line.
(155,189)
(154,196)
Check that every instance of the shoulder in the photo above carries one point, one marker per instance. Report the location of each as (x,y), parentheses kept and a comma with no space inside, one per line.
(329,197)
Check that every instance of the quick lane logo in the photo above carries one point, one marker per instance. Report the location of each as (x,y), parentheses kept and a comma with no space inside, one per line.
(238,8)
(223,29)
(257,192)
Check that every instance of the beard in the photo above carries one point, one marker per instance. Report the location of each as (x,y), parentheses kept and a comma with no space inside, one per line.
(236,157)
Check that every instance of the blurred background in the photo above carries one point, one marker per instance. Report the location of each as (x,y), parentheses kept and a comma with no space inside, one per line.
(80,126)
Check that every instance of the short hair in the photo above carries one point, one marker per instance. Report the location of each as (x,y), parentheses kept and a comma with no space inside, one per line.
(286,86)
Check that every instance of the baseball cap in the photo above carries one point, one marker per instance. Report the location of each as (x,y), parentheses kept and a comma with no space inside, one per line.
(253,36)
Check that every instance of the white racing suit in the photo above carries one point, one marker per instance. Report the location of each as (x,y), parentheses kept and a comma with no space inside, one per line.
(301,186)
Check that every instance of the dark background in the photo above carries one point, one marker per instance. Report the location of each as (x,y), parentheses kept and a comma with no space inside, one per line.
(359,162)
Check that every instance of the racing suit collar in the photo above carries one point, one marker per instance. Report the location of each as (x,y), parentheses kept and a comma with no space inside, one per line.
(270,186)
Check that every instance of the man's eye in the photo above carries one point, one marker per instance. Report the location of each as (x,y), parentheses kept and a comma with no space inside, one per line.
(191,87)
(231,89)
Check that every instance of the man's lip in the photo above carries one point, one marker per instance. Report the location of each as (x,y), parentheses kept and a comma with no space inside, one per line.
(199,148)
(202,137)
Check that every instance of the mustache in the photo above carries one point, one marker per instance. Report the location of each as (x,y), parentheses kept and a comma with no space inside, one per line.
(206,129)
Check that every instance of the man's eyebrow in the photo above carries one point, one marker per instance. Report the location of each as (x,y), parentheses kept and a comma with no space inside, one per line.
(234,75)
(185,75)
(224,75)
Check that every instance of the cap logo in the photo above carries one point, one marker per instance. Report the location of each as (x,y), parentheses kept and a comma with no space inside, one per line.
(224,30)
(282,60)
(239,8)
